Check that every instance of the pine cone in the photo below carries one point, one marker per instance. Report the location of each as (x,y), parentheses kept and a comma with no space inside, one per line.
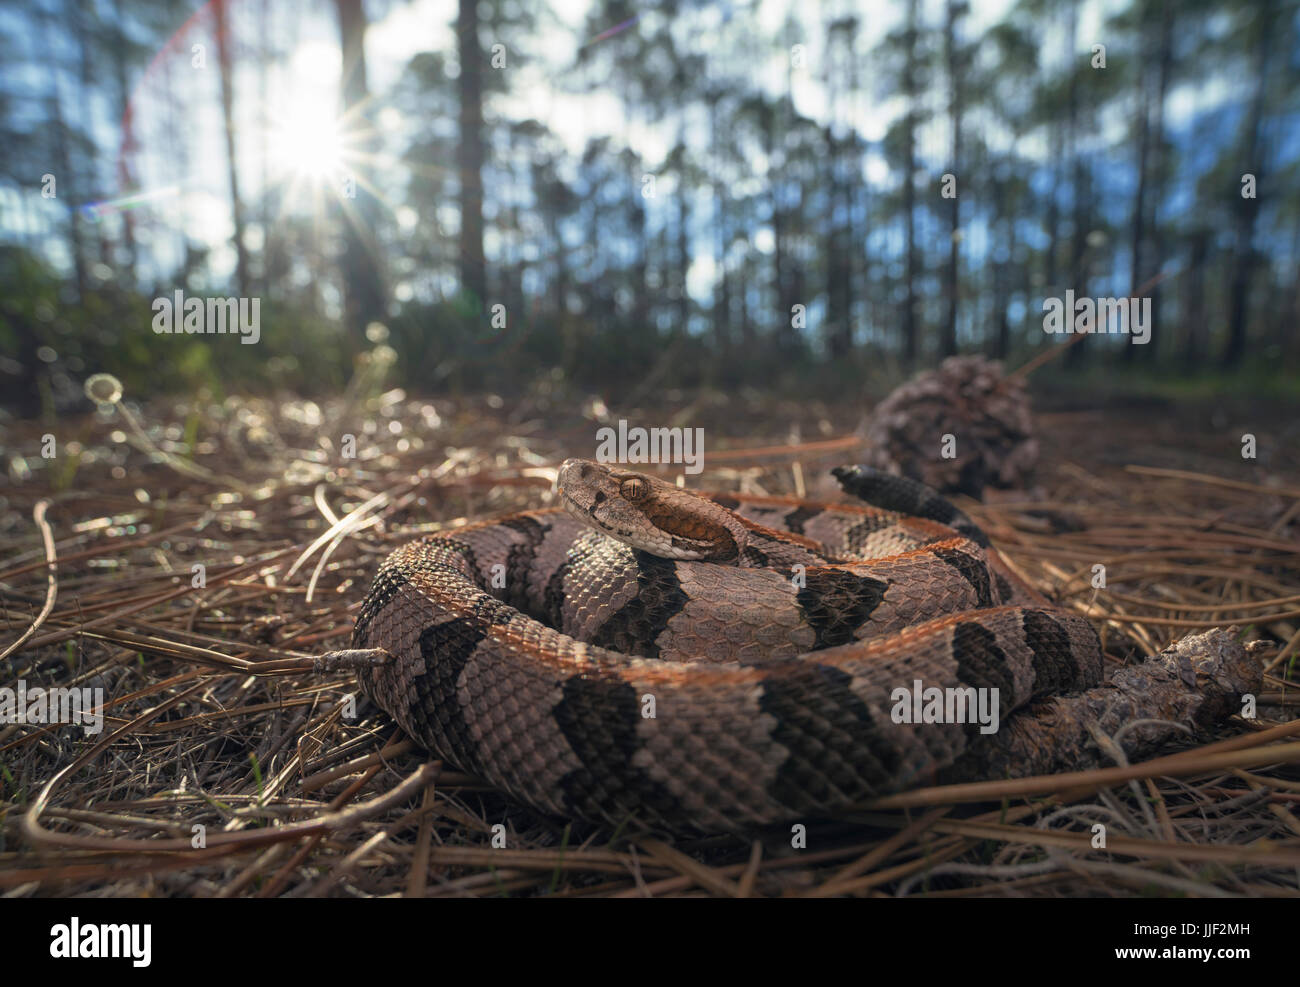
(968,398)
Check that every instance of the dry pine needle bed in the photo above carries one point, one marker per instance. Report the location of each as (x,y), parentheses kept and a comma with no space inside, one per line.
(219,731)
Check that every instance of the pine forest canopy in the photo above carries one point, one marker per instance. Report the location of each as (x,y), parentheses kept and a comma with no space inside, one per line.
(723,192)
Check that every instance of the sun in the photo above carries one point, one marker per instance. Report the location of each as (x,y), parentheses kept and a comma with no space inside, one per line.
(307,138)
(315,149)
(308,142)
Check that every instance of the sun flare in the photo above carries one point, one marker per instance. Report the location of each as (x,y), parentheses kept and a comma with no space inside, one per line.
(309,143)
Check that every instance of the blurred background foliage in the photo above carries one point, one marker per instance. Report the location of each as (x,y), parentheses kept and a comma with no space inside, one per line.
(488,195)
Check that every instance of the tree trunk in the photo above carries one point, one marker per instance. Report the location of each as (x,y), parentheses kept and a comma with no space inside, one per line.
(948,338)
(1243,263)
(364,299)
(1155,231)
(722,287)
(1194,302)
(470,153)
(125,178)
(683,256)
(839,332)
(66,173)
(1135,278)
(1001,221)
(910,330)
(1053,223)
(1079,258)
(221,16)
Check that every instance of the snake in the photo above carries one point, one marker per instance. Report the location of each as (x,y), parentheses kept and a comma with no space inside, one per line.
(710,662)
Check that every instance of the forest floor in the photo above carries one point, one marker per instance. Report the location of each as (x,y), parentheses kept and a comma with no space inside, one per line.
(226,767)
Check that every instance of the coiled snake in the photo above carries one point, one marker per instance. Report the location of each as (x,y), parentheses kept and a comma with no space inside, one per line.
(708,662)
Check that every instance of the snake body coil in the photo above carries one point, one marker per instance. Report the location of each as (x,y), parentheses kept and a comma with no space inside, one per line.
(708,663)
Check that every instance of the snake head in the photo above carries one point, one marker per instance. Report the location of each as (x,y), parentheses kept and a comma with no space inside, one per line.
(646,513)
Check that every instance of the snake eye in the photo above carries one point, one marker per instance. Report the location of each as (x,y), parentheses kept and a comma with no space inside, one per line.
(634,489)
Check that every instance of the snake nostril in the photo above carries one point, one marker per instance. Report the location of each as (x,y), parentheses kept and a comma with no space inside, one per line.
(571,470)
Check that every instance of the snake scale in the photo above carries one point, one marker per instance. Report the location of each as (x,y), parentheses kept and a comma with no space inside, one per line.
(708,662)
